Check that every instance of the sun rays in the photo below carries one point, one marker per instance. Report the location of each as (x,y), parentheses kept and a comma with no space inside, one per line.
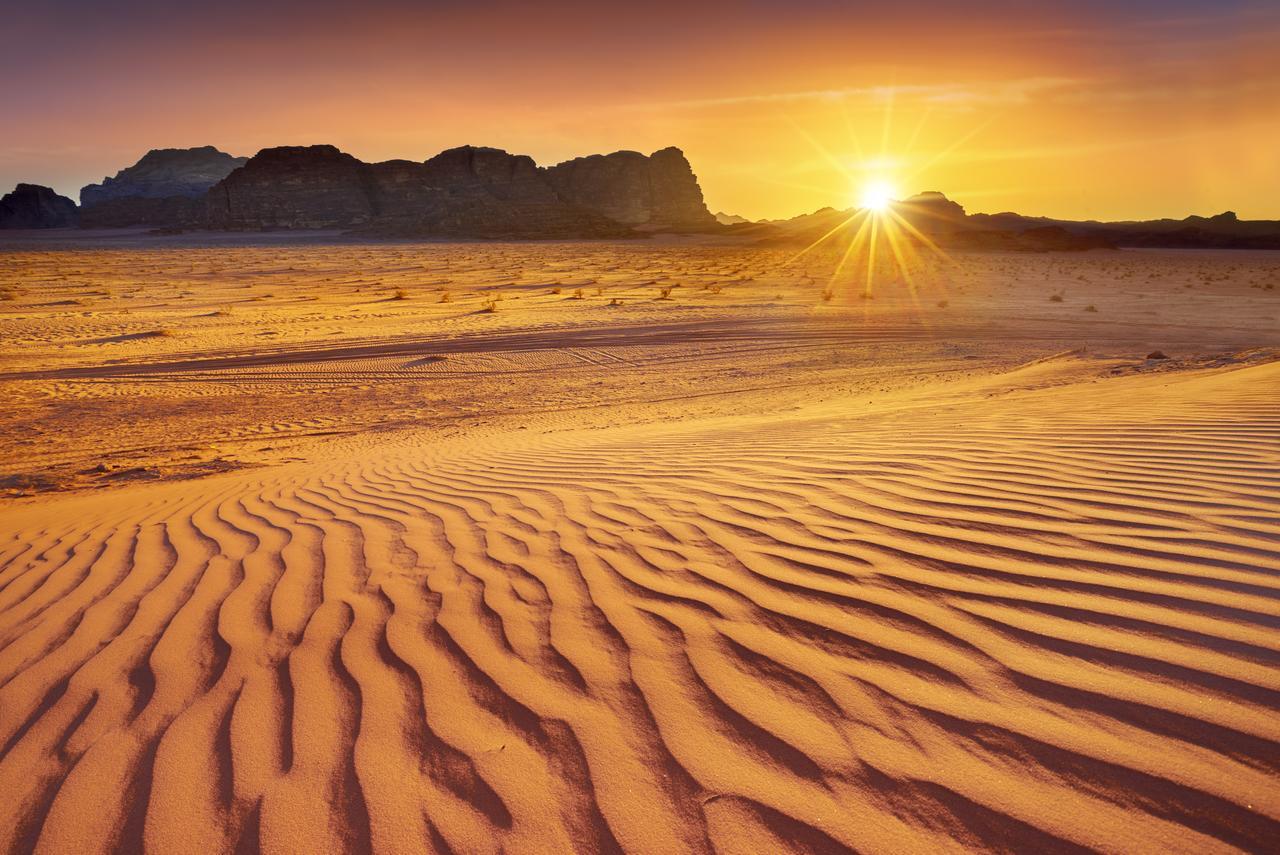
(884,239)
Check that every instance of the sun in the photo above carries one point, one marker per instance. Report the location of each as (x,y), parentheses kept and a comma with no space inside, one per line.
(877,196)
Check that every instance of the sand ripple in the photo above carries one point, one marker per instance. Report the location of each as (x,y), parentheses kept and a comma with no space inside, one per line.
(986,625)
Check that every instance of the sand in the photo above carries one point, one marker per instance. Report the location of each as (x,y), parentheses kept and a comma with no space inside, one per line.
(292,563)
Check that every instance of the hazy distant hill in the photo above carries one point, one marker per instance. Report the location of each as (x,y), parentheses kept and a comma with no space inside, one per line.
(946,223)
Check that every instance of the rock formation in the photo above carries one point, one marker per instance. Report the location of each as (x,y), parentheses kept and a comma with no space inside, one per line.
(163,173)
(31,206)
(932,213)
(463,192)
(166,188)
(293,187)
(658,191)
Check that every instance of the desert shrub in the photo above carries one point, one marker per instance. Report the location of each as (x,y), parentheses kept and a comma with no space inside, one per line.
(665,292)
(714,289)
(490,306)
(557,290)
(446,297)
(1055,298)
(578,294)
(401,294)
(1091,308)
(615,302)
(828,295)
(942,304)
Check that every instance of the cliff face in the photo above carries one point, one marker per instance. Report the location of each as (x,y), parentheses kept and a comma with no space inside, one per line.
(164,173)
(31,206)
(463,192)
(292,187)
(139,211)
(469,191)
(657,191)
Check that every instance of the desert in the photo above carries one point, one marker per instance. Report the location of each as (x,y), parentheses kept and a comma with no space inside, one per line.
(663,428)
(321,545)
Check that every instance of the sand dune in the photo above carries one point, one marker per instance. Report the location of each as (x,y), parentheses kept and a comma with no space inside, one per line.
(1004,617)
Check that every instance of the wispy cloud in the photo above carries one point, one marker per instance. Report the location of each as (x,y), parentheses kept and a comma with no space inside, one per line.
(1003,93)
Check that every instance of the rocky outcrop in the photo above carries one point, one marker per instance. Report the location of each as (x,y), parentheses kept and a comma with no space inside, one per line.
(171,211)
(658,191)
(469,191)
(475,191)
(932,213)
(293,187)
(163,173)
(31,206)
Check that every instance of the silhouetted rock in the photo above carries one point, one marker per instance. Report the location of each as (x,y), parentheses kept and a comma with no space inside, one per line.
(169,212)
(1156,354)
(656,191)
(470,191)
(31,206)
(932,213)
(1221,231)
(165,172)
(293,187)
(729,219)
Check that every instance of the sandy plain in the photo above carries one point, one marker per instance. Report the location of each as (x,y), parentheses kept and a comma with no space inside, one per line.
(315,546)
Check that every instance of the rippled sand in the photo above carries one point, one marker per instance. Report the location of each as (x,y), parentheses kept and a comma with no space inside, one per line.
(294,563)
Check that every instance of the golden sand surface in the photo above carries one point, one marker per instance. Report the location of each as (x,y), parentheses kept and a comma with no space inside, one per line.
(316,546)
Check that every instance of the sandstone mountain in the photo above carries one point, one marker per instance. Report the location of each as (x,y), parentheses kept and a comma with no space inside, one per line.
(31,206)
(165,188)
(655,191)
(163,173)
(475,191)
(469,191)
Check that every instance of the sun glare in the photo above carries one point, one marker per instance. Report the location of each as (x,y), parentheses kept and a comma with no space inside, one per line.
(876,196)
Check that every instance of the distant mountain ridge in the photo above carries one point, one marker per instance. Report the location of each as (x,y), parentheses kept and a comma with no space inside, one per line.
(482,192)
(945,222)
(470,191)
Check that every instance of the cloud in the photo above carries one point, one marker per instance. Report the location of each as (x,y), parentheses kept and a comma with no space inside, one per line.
(1003,93)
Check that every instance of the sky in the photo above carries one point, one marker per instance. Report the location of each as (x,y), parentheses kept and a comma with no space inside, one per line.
(1088,109)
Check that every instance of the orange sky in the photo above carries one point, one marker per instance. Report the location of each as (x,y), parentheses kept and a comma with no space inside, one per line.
(1162,109)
